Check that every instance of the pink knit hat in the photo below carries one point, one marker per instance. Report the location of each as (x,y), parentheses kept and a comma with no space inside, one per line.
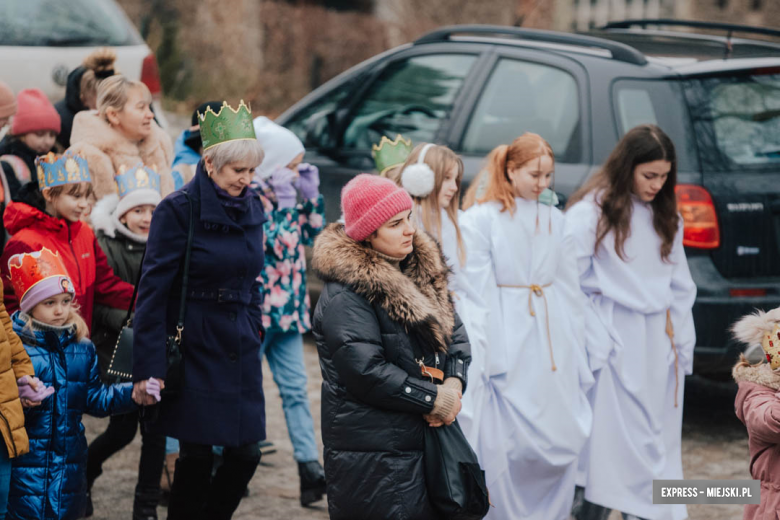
(7,101)
(368,201)
(34,113)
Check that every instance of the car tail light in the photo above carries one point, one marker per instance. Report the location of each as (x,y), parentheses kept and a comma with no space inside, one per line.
(701,228)
(150,75)
(754,293)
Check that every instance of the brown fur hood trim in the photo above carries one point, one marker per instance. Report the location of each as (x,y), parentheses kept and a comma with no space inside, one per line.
(417,296)
(760,374)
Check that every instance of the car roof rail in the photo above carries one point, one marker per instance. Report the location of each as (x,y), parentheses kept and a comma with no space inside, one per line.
(619,51)
(694,24)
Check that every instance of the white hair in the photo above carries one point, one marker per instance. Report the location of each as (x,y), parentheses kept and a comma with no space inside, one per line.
(248,150)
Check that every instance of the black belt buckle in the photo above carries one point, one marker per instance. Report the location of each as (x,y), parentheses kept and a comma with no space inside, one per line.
(225,296)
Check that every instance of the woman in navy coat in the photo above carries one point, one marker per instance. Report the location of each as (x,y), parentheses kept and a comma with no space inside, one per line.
(221,402)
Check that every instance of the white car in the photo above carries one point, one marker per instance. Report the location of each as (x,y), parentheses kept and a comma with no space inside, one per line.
(41,41)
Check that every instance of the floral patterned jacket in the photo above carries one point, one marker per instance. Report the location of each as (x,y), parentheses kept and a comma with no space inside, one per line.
(286,302)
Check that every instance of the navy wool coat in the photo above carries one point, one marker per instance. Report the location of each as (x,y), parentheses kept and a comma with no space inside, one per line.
(222,400)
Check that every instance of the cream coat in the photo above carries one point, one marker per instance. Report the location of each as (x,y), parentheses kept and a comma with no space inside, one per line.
(105,150)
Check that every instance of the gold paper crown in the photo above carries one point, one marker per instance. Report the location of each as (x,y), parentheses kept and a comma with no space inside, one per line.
(389,154)
(226,125)
(139,177)
(54,170)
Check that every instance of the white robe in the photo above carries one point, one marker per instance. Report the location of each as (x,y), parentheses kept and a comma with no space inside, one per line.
(636,426)
(472,312)
(533,421)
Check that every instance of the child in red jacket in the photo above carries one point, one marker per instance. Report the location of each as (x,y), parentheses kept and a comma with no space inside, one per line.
(50,217)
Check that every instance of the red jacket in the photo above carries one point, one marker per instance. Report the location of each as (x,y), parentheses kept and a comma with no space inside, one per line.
(86,263)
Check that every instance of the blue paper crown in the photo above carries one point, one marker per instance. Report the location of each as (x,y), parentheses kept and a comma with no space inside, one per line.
(58,170)
(139,177)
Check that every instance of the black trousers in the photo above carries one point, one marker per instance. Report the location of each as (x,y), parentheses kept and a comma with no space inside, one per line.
(198,496)
(120,432)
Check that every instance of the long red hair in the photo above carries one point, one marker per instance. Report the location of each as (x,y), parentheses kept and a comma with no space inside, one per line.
(493,182)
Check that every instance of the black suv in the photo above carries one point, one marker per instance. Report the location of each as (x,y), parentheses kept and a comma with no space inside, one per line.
(475,87)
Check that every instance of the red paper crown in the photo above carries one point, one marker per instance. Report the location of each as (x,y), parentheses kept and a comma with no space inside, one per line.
(28,269)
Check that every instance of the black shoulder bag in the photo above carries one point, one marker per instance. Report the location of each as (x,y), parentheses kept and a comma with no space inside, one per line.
(121,365)
(174,376)
(454,479)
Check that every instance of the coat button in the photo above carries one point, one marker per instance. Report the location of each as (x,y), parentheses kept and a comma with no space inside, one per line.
(232,316)
(427,399)
(233,357)
(460,361)
(408,390)
(460,375)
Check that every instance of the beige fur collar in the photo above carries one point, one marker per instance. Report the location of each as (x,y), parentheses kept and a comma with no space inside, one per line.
(416,296)
(760,374)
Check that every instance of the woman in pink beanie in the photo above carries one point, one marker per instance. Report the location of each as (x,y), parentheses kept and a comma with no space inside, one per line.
(393,352)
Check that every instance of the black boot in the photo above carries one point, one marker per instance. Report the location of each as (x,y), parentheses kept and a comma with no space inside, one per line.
(584,510)
(145,503)
(191,482)
(312,482)
(90,509)
(231,481)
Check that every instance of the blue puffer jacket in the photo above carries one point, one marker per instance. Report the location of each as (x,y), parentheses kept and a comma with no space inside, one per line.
(50,482)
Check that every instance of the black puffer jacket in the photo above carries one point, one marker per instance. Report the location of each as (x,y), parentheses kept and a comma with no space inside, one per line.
(70,105)
(372,322)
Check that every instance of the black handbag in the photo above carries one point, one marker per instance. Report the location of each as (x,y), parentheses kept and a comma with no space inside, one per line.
(174,375)
(121,365)
(454,479)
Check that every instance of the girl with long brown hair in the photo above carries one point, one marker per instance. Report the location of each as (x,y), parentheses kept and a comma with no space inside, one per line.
(533,415)
(627,239)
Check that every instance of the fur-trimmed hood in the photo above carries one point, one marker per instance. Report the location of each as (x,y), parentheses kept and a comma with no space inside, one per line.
(105,150)
(416,296)
(104,218)
(760,374)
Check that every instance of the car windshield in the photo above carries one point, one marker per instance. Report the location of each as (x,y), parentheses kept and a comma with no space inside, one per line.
(737,119)
(53,23)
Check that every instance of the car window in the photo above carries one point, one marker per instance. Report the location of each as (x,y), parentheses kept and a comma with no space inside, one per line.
(412,97)
(521,97)
(737,120)
(309,124)
(661,103)
(53,23)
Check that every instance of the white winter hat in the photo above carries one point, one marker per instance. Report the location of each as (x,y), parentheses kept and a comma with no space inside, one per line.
(138,198)
(281,146)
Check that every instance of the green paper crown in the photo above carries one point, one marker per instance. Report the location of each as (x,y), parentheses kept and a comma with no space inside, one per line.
(227,125)
(389,154)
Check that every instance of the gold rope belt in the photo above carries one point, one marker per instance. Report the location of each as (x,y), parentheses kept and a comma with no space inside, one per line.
(538,290)
(670,333)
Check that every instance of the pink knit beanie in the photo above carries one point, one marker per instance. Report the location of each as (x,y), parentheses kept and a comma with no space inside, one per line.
(34,113)
(368,201)
(7,101)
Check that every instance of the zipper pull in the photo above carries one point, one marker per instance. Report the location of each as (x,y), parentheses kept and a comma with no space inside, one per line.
(437,360)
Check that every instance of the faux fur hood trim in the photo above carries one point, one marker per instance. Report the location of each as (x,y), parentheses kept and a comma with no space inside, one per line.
(416,296)
(761,374)
(105,219)
(751,329)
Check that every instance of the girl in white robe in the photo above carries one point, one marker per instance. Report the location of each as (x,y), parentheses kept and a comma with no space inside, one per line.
(636,276)
(534,414)
(432,175)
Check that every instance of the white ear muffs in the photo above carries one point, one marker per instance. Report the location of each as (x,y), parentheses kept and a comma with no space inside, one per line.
(418,179)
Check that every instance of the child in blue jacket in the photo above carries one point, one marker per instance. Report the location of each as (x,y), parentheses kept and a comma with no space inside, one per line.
(50,483)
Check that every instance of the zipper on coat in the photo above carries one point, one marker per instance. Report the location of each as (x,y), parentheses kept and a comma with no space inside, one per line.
(75,258)
(10,434)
